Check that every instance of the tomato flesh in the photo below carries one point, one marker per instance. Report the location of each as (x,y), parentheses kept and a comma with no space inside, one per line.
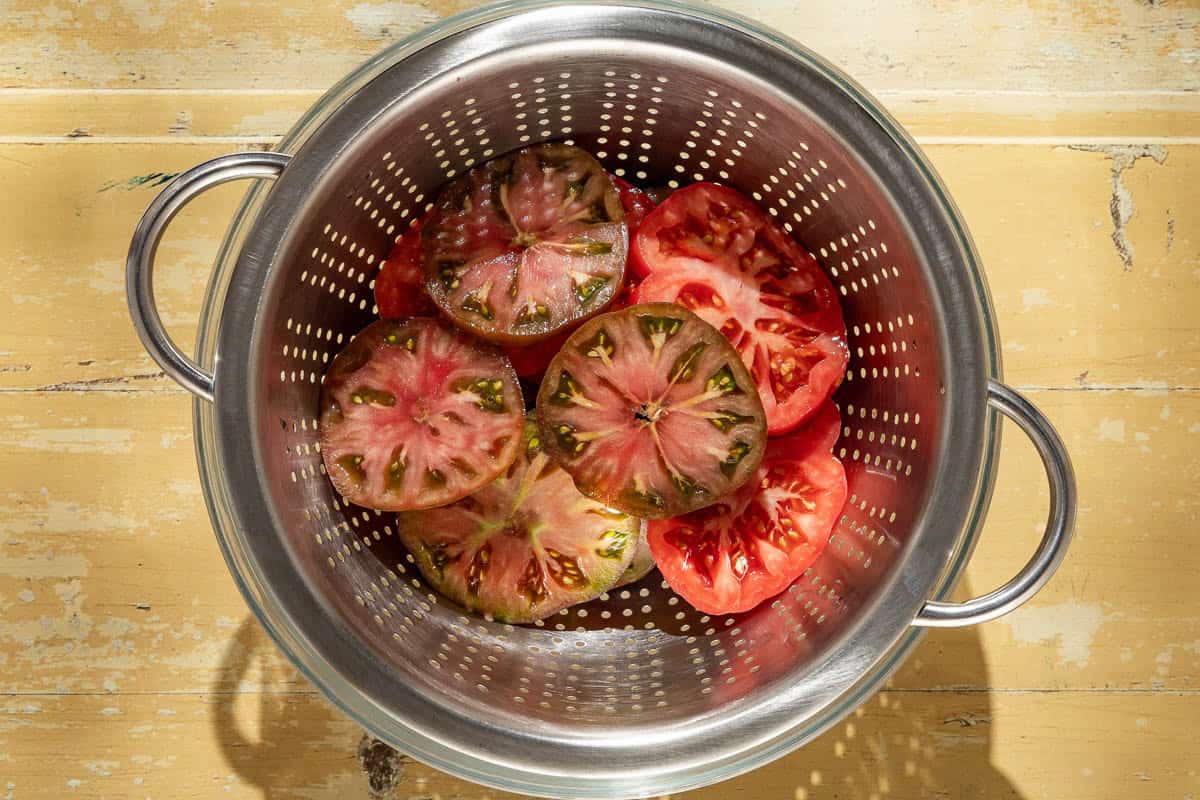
(527,244)
(713,251)
(400,284)
(651,411)
(732,555)
(525,545)
(636,204)
(640,566)
(531,360)
(415,414)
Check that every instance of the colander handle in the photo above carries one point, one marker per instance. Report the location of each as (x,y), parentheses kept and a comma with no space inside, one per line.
(139,267)
(1059,527)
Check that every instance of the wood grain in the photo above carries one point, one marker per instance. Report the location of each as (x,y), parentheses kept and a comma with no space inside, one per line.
(89,116)
(1070,746)
(1067,302)
(1050,46)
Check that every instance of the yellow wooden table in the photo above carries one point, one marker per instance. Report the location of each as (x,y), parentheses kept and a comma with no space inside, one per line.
(1068,132)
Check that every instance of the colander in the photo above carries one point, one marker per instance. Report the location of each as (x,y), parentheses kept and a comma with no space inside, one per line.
(634,694)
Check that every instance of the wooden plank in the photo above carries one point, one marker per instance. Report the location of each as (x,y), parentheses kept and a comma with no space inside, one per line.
(70,212)
(110,579)
(1083,298)
(1022,115)
(91,114)
(1071,311)
(1068,746)
(995,746)
(1051,46)
(99,114)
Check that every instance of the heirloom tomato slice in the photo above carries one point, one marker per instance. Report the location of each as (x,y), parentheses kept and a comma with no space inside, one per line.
(651,411)
(414,414)
(525,545)
(400,284)
(750,546)
(712,250)
(526,244)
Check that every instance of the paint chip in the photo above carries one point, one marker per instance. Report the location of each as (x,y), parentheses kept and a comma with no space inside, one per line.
(1073,624)
(1034,298)
(1111,430)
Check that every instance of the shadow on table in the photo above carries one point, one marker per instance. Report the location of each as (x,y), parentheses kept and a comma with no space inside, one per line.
(278,734)
(901,745)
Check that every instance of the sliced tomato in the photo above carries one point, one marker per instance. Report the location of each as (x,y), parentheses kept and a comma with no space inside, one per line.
(525,545)
(712,250)
(636,203)
(658,194)
(415,414)
(400,284)
(532,360)
(732,555)
(651,411)
(526,245)
(640,566)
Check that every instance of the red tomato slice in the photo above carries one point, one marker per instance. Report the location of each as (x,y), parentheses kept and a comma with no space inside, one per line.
(729,557)
(400,284)
(637,205)
(713,251)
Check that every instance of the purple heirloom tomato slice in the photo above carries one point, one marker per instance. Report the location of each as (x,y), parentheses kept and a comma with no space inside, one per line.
(526,244)
(525,545)
(651,411)
(414,413)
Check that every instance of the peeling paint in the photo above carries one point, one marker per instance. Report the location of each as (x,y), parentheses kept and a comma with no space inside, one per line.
(182,126)
(149,181)
(1111,430)
(1034,298)
(389,20)
(269,122)
(1073,624)
(103,768)
(1120,205)
(108,441)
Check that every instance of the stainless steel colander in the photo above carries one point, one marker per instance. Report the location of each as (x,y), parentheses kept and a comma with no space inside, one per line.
(636,693)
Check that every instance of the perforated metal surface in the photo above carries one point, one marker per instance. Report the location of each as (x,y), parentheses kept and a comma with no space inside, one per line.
(660,98)
(612,655)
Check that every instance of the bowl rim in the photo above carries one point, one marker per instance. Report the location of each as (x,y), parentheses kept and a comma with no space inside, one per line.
(232,520)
